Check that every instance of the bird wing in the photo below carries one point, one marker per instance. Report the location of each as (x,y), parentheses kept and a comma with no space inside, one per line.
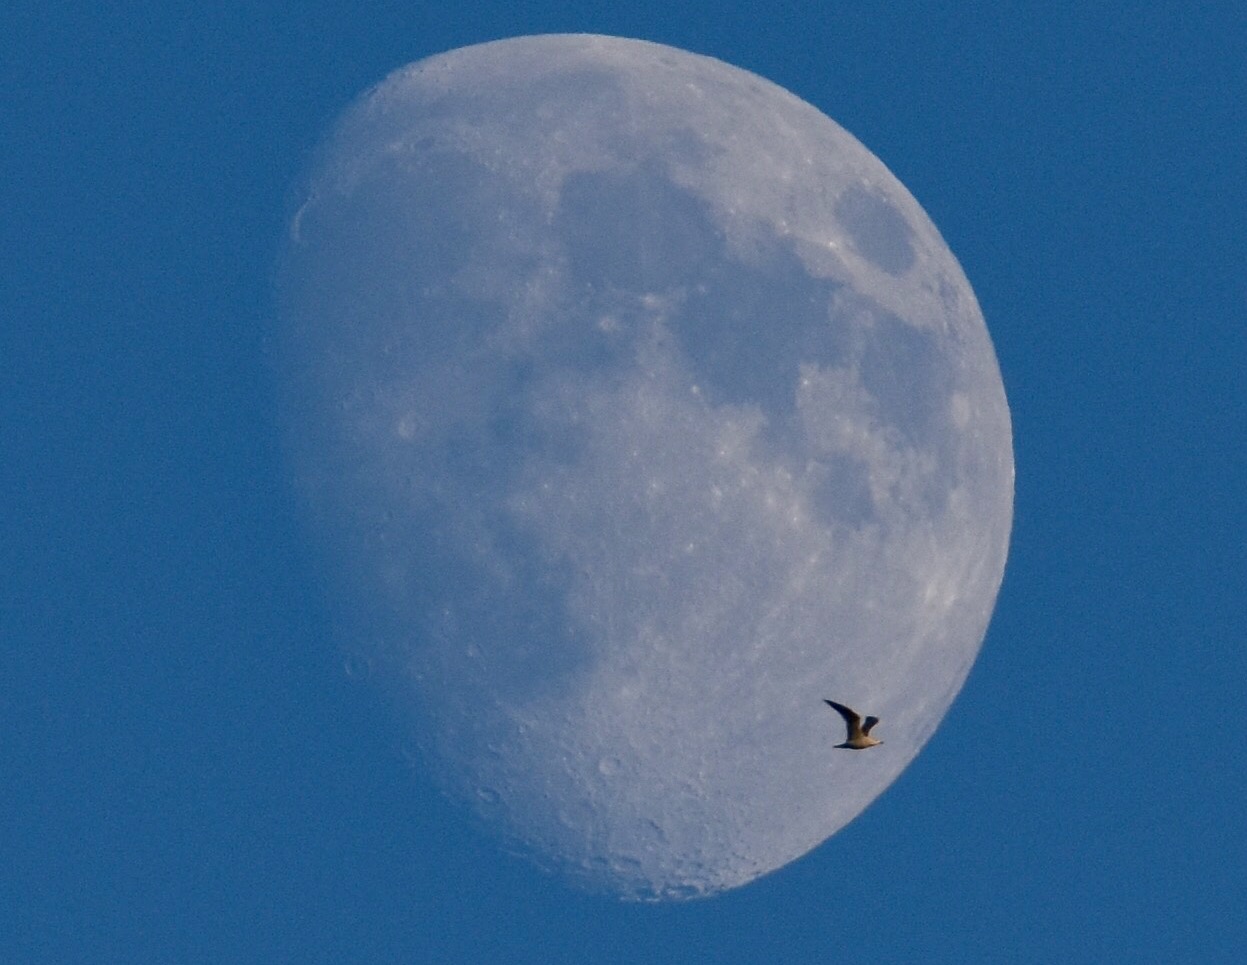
(869,723)
(851,719)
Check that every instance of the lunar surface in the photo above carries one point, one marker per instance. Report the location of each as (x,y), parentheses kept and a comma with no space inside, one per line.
(638,408)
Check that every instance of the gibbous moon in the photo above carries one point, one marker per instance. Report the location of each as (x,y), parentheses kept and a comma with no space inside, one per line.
(638,409)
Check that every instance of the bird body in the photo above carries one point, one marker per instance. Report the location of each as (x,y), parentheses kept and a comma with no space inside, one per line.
(858,738)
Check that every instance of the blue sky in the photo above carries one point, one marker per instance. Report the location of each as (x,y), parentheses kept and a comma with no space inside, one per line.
(186,773)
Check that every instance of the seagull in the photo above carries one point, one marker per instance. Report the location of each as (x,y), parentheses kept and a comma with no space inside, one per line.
(859,733)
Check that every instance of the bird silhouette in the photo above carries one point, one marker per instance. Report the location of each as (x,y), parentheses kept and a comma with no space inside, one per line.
(858,738)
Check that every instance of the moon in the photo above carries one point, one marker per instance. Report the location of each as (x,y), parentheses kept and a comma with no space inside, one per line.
(637,408)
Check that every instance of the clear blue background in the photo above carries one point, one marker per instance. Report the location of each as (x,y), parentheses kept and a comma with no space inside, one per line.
(188,775)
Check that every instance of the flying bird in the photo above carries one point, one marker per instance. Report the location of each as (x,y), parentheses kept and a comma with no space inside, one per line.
(858,738)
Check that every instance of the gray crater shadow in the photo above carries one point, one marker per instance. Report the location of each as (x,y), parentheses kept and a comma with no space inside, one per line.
(880,233)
